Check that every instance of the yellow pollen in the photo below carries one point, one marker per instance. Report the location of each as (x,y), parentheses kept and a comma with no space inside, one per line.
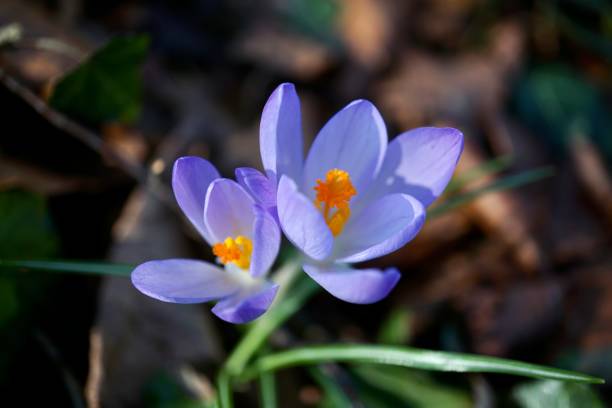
(334,193)
(236,250)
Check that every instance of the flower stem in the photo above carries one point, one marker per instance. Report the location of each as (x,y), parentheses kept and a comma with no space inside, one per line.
(224,389)
(262,328)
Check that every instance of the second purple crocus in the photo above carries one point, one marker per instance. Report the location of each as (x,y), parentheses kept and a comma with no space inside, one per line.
(244,236)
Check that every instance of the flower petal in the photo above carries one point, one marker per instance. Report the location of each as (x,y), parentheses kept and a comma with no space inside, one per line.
(280,133)
(266,242)
(261,188)
(354,285)
(421,162)
(301,222)
(353,140)
(228,211)
(247,305)
(382,227)
(183,281)
(191,177)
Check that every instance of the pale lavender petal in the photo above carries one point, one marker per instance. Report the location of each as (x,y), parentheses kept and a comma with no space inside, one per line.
(421,162)
(384,226)
(353,140)
(228,211)
(261,188)
(191,177)
(354,285)
(266,242)
(247,305)
(301,222)
(280,133)
(184,281)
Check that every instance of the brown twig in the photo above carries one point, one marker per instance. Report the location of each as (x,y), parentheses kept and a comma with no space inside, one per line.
(86,136)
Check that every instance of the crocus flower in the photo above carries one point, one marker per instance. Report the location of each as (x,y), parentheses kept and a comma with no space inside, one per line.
(353,198)
(244,237)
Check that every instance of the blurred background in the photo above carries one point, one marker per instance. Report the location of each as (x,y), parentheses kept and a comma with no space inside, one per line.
(99,97)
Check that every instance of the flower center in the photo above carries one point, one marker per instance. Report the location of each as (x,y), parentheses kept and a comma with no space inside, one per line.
(333,196)
(237,250)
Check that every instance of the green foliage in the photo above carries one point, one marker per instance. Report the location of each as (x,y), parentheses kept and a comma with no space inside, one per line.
(315,18)
(558,103)
(540,394)
(107,86)
(506,183)
(395,329)
(93,268)
(25,231)
(164,392)
(416,389)
(408,357)
(334,397)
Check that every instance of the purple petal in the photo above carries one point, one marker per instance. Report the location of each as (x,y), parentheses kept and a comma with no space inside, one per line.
(421,162)
(191,177)
(247,305)
(266,242)
(183,281)
(353,140)
(280,133)
(354,285)
(261,188)
(228,211)
(301,222)
(384,226)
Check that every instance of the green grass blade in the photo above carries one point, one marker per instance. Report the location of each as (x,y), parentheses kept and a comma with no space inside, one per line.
(88,268)
(267,388)
(505,183)
(490,167)
(409,357)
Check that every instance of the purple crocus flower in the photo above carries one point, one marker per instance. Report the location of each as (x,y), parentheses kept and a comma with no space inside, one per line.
(244,236)
(354,198)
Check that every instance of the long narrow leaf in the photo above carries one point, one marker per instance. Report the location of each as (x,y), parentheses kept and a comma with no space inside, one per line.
(505,183)
(409,357)
(89,268)
(490,167)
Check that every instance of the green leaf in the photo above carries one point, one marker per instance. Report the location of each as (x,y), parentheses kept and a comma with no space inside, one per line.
(502,184)
(538,394)
(334,396)
(163,391)
(559,103)
(25,227)
(108,85)
(267,388)
(413,388)
(408,357)
(492,166)
(395,329)
(262,328)
(91,268)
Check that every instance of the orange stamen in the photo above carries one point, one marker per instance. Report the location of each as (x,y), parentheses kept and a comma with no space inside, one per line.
(237,251)
(335,193)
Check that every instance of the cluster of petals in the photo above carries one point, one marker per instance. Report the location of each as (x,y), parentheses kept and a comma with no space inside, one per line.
(224,214)
(354,197)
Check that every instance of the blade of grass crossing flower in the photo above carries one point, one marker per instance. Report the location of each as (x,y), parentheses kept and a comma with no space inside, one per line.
(493,166)
(505,183)
(267,389)
(409,357)
(88,268)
